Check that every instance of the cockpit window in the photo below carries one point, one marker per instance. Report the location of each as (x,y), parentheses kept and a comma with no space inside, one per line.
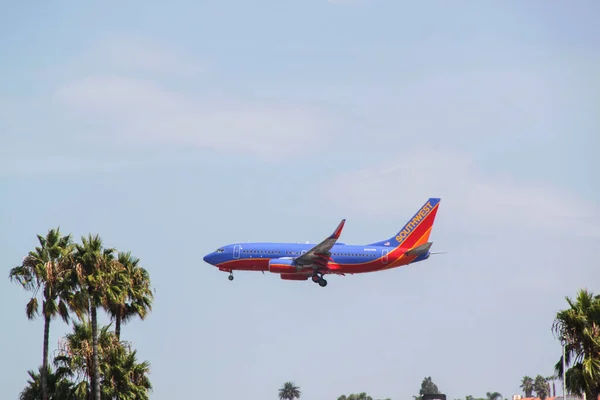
(220,250)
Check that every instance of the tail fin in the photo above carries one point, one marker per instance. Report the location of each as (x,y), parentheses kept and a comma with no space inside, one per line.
(417,230)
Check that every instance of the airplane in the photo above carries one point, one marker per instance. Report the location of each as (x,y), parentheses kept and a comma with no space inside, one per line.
(299,262)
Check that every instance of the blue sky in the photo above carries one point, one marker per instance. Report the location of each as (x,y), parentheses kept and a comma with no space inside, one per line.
(174,129)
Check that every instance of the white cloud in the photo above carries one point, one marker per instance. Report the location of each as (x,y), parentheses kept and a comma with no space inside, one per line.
(140,111)
(470,198)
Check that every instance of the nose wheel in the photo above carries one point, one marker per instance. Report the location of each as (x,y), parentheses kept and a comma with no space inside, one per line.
(230,277)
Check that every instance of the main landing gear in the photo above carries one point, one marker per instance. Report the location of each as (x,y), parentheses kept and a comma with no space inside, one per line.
(318,278)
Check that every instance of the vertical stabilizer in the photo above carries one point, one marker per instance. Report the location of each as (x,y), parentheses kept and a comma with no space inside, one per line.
(417,229)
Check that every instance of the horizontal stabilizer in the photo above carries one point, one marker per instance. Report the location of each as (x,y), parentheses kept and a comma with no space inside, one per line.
(419,250)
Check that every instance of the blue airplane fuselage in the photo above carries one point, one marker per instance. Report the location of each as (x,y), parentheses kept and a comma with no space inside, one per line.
(252,256)
(299,261)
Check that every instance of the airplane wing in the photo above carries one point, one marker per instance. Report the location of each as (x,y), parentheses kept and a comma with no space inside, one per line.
(319,256)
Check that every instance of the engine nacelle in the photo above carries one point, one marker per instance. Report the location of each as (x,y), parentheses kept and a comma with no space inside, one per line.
(282,266)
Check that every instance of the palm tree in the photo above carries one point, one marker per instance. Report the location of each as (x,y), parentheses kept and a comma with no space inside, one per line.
(493,396)
(43,269)
(527,386)
(58,386)
(121,375)
(289,391)
(136,298)
(579,327)
(94,276)
(75,357)
(541,387)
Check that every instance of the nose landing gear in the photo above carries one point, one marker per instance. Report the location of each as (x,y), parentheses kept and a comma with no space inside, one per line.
(230,277)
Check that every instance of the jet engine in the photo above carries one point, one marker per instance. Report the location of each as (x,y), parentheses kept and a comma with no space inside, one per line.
(283,266)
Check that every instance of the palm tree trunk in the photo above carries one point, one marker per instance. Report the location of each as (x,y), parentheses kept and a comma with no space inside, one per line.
(44,376)
(96,380)
(118,325)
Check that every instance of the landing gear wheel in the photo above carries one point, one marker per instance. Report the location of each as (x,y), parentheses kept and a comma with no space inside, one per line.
(230,277)
(322,282)
(316,278)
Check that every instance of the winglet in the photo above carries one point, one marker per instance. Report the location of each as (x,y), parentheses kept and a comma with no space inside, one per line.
(338,231)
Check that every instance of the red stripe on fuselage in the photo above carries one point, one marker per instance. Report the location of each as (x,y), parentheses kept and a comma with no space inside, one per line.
(247,264)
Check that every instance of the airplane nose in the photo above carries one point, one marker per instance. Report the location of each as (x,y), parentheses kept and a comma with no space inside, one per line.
(208,258)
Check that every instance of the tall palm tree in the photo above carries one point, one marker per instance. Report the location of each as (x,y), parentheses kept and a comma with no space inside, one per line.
(136,298)
(94,276)
(289,391)
(527,385)
(44,270)
(579,326)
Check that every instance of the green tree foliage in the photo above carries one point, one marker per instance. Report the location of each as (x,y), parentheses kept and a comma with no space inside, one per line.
(357,396)
(427,387)
(58,386)
(540,386)
(579,327)
(82,278)
(43,272)
(121,376)
(136,298)
(527,385)
(289,391)
(493,396)
(96,285)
